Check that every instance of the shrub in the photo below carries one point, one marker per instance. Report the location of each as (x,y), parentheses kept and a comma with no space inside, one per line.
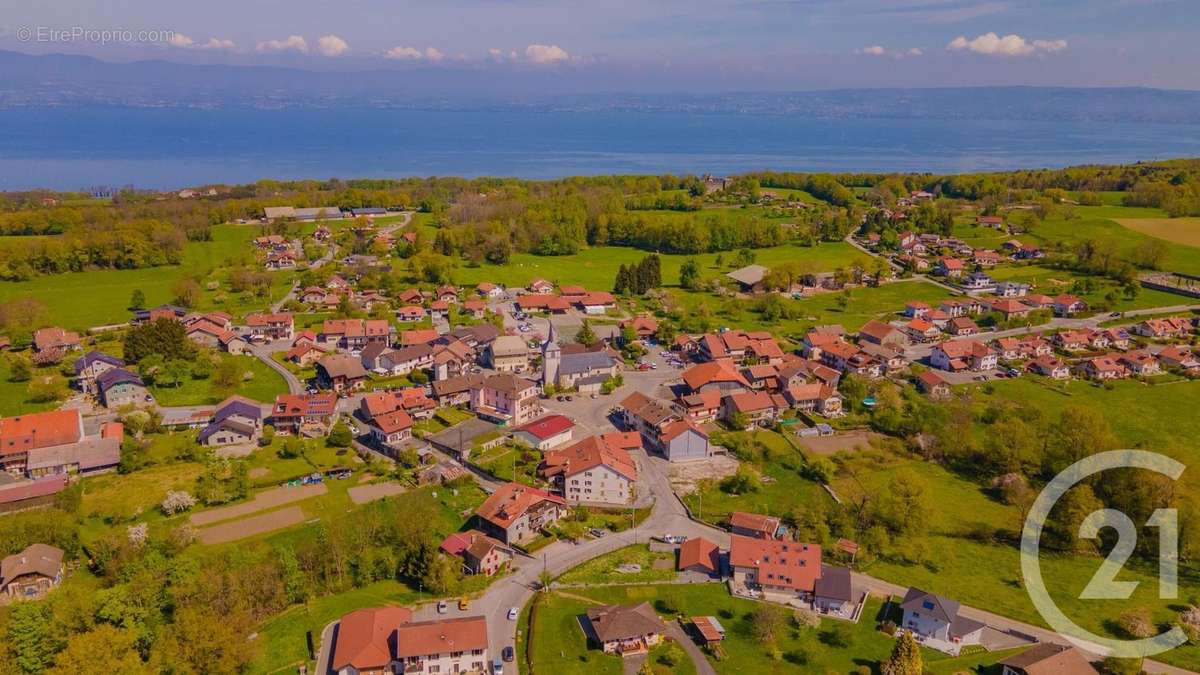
(177,501)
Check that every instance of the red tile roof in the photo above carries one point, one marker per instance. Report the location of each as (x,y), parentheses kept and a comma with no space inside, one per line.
(712,372)
(39,430)
(547,427)
(699,552)
(441,637)
(779,563)
(511,501)
(588,454)
(364,638)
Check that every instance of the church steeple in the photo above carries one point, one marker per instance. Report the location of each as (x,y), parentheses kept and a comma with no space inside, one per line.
(551,357)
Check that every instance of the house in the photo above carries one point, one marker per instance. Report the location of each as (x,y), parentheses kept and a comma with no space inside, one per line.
(410,313)
(545,433)
(1103,368)
(204,333)
(424,336)
(647,416)
(515,513)
(755,525)
(1012,289)
(439,309)
(951,268)
(1161,329)
(1011,309)
(643,327)
(749,278)
(305,354)
(553,304)
(962,326)
(994,222)
(1117,338)
(341,372)
(985,258)
(508,354)
(957,355)
(1179,358)
(596,470)
(32,573)
(90,366)
(118,387)
(411,400)
(53,442)
(235,420)
(1072,340)
(1068,305)
(541,287)
(1050,367)
(625,629)
(834,593)
(714,375)
(451,358)
(1048,658)
(455,390)
(880,333)
(52,339)
(1140,363)
(387,640)
(699,555)
(922,330)
(978,281)
(480,553)
(506,399)
(304,414)
(391,428)
(355,334)
(784,567)
(818,397)
(758,407)
(170,312)
(933,385)
(445,471)
(281,260)
(702,407)
(933,617)
(404,361)
(489,290)
(476,309)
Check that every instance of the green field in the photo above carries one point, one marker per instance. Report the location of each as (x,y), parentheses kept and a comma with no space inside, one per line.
(596,268)
(603,570)
(81,300)
(1098,223)
(259,383)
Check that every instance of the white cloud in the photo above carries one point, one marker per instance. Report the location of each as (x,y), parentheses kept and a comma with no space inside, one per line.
(182,41)
(500,56)
(403,53)
(293,43)
(874,50)
(546,54)
(413,54)
(332,45)
(1009,45)
(915,51)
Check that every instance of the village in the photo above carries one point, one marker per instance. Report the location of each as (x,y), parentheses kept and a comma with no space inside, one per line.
(556,399)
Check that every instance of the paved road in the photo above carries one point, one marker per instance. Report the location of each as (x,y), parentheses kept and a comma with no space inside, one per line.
(263,353)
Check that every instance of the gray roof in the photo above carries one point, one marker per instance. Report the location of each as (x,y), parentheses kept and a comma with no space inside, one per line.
(941,609)
(582,362)
(111,378)
(96,357)
(748,275)
(835,584)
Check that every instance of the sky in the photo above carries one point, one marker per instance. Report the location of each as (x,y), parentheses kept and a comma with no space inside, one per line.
(661,45)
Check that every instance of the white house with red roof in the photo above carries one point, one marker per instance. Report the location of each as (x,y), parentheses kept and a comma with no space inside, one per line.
(546,432)
(957,355)
(779,567)
(596,470)
(516,513)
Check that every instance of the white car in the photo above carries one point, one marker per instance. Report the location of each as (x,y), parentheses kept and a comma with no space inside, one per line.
(513,612)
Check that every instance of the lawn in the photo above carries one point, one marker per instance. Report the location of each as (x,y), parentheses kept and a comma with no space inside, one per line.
(603,570)
(14,396)
(1049,281)
(1101,223)
(783,490)
(80,300)
(1184,231)
(835,647)
(988,576)
(510,462)
(259,383)
(1155,417)
(282,641)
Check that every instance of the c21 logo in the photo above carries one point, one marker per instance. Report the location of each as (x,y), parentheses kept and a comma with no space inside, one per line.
(1104,584)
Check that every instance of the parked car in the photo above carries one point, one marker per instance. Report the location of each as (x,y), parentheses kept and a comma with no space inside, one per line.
(507,654)
(512,616)
(443,607)
(464,602)
(674,538)
(497,667)
(597,532)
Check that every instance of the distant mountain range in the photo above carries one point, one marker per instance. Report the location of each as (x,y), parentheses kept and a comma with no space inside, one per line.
(58,80)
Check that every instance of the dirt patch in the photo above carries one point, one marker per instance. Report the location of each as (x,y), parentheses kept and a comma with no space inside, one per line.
(262,501)
(248,527)
(259,472)
(1178,230)
(663,564)
(238,451)
(829,445)
(685,475)
(361,494)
